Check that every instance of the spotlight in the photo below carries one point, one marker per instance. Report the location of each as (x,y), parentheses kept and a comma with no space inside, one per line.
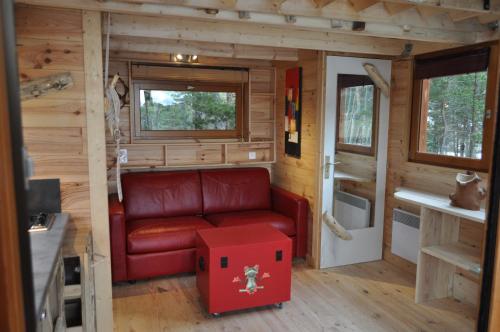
(185,58)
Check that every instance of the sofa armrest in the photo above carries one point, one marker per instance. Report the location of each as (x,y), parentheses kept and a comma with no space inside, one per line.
(297,208)
(117,234)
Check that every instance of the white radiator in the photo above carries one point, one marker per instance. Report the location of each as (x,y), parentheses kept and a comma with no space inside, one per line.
(405,234)
(352,212)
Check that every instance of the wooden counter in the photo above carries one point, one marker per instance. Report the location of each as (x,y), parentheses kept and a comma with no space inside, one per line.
(45,257)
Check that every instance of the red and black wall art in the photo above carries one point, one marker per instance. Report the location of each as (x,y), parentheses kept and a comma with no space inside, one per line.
(293,111)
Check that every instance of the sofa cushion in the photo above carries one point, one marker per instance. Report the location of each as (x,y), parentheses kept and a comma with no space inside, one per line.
(163,234)
(235,189)
(279,221)
(161,194)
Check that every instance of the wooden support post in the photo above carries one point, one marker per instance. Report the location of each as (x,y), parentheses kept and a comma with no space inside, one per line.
(94,95)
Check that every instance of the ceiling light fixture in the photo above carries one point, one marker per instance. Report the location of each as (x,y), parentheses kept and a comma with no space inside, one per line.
(185,58)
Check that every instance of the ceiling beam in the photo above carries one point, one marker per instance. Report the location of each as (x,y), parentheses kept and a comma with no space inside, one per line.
(167,46)
(459,5)
(300,7)
(257,35)
(338,10)
(405,32)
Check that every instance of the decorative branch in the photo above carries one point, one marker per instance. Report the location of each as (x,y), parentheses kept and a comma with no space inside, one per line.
(377,78)
(42,86)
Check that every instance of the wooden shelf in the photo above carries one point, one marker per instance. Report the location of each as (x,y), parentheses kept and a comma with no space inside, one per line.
(72,292)
(457,254)
(438,203)
(349,177)
(192,166)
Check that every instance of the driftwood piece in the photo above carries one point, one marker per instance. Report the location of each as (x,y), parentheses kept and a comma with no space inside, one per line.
(42,86)
(379,81)
(468,194)
(336,227)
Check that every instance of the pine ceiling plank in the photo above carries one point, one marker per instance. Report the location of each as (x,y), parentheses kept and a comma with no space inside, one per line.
(304,5)
(488,18)
(338,10)
(457,16)
(396,8)
(322,3)
(426,12)
(360,5)
(277,3)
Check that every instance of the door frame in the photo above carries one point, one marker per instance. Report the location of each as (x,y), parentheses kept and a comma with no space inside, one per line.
(369,238)
(489,304)
(16,282)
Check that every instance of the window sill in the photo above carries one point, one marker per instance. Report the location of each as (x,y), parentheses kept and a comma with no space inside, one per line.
(142,140)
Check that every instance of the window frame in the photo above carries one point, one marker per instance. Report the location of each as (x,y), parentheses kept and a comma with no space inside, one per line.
(417,120)
(167,85)
(353,148)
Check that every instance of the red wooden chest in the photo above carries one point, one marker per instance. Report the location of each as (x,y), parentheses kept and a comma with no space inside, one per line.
(243,267)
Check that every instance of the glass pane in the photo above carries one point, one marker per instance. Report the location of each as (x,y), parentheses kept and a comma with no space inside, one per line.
(356,115)
(187,110)
(455,115)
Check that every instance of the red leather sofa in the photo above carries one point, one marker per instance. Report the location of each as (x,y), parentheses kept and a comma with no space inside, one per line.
(153,230)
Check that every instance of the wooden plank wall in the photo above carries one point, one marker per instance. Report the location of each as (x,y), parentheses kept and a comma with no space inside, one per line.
(401,172)
(300,175)
(173,154)
(50,41)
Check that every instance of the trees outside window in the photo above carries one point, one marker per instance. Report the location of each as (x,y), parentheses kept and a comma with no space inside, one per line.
(453,97)
(188,110)
(357,101)
(455,115)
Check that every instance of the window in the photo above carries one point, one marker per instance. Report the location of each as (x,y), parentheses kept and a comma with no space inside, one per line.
(451,122)
(357,102)
(187,109)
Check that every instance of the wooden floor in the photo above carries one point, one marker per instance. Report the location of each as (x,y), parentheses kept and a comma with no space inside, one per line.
(364,297)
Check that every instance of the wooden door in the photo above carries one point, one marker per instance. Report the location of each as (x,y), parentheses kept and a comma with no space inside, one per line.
(366,242)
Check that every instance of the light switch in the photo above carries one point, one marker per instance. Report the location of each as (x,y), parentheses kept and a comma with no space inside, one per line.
(252,155)
(123,158)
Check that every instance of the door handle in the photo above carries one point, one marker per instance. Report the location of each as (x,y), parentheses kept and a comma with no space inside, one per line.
(327,165)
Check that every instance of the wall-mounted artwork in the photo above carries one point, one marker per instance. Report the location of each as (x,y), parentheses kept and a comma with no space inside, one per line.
(293,111)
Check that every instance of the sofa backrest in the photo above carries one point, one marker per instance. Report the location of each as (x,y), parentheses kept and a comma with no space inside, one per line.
(161,194)
(235,189)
